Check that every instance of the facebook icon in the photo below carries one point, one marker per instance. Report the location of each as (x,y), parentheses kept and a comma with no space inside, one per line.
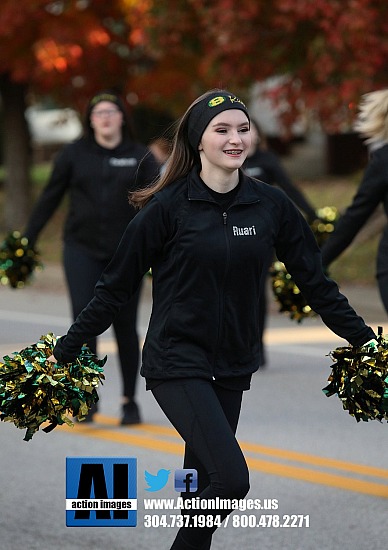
(186,481)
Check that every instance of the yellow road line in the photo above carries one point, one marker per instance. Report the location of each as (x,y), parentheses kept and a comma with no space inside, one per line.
(316,460)
(265,450)
(277,336)
(320,478)
(126,438)
(348,483)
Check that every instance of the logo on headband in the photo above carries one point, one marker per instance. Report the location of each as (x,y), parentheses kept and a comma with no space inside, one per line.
(103,97)
(216,101)
(220,99)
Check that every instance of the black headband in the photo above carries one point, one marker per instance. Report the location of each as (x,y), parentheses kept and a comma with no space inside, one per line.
(204,111)
(104,96)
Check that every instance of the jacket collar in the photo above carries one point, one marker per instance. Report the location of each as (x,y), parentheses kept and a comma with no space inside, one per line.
(123,147)
(247,193)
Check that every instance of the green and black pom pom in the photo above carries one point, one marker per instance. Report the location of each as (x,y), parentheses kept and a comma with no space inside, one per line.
(360,379)
(288,295)
(35,391)
(18,260)
(285,291)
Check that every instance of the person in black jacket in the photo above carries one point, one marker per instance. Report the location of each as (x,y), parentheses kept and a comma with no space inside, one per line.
(97,171)
(207,230)
(262,164)
(372,123)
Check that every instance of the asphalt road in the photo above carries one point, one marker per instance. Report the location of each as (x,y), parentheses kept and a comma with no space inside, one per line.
(303,450)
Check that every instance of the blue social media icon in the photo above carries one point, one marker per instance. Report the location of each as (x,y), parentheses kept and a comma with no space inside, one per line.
(186,481)
(156,482)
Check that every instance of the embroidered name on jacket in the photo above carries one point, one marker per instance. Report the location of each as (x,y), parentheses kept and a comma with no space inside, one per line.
(240,231)
(253,172)
(113,161)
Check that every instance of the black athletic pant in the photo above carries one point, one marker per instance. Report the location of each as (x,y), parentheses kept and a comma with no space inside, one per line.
(206,416)
(82,273)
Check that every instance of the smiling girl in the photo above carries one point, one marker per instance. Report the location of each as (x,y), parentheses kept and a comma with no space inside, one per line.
(207,231)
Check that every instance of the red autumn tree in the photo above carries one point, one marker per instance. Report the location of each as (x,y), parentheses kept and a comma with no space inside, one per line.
(67,49)
(345,55)
(169,51)
(331,51)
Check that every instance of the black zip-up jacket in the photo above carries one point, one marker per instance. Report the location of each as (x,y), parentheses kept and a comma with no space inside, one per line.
(97,181)
(265,166)
(209,273)
(372,191)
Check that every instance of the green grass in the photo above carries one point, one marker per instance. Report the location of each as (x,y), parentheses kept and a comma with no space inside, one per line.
(39,173)
(356,265)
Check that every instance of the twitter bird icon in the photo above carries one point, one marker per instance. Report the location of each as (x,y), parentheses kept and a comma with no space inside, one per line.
(158,481)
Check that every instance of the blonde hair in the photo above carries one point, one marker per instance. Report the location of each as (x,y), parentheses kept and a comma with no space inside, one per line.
(372,119)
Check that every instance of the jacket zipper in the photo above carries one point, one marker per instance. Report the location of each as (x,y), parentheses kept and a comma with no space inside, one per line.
(224,223)
(222,288)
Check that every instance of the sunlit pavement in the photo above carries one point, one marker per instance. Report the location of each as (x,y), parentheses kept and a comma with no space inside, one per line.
(303,450)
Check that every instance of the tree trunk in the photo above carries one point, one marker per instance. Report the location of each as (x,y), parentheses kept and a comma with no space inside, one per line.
(16,154)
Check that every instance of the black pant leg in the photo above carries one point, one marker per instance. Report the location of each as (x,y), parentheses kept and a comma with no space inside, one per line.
(125,328)
(82,273)
(231,405)
(197,412)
